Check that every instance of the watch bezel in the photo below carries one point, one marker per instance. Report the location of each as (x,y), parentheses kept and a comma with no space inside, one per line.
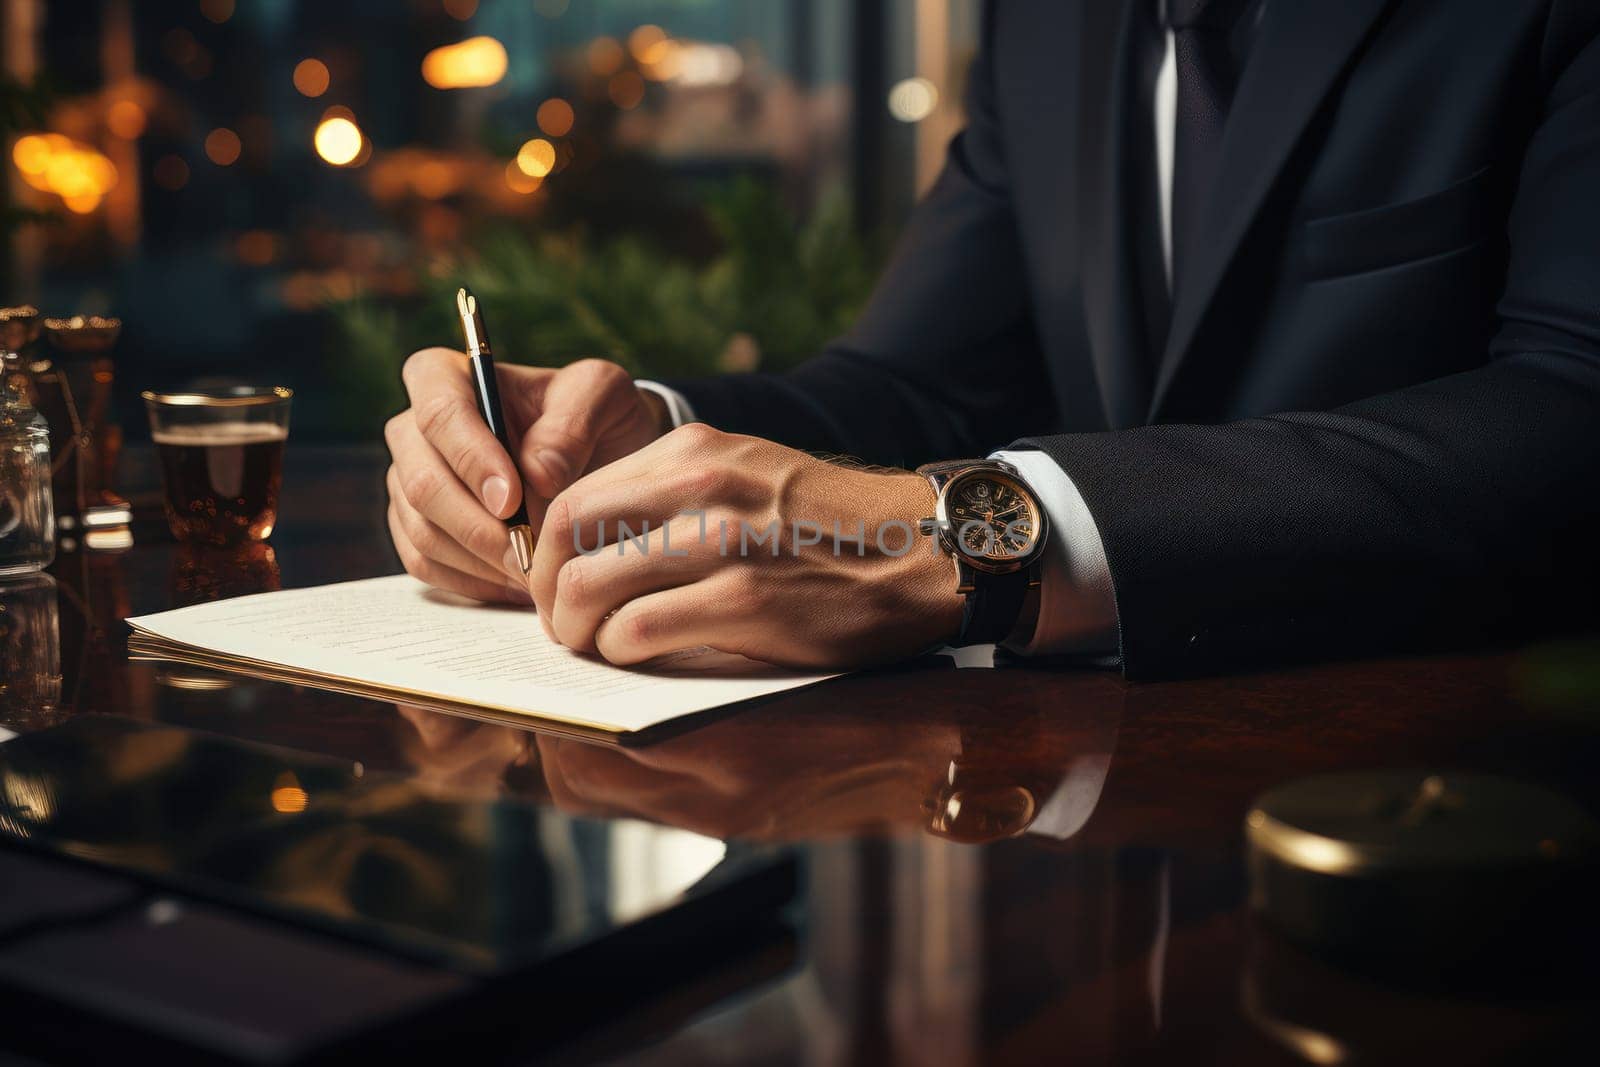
(986,564)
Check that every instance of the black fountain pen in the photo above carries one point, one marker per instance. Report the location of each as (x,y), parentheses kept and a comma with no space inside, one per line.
(487,388)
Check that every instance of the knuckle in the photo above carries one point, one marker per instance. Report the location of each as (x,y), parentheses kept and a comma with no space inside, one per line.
(421,487)
(436,413)
(558,516)
(394,429)
(573,582)
(422,536)
(599,373)
(423,360)
(486,542)
(637,627)
(694,436)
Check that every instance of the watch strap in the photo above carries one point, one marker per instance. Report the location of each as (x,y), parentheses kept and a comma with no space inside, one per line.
(993,606)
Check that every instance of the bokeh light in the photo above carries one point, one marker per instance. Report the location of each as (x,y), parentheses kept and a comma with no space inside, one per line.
(311,77)
(125,119)
(913,99)
(256,248)
(626,89)
(338,140)
(76,172)
(223,147)
(605,56)
(537,158)
(649,44)
(555,117)
(461,10)
(519,181)
(218,11)
(700,64)
(289,799)
(469,64)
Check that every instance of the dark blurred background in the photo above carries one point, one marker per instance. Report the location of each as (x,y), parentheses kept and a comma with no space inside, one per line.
(286,192)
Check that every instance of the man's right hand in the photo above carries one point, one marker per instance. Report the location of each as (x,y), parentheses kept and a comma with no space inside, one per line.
(451,485)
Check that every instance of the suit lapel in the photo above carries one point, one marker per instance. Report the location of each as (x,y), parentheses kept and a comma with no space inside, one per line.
(1107,269)
(1294,63)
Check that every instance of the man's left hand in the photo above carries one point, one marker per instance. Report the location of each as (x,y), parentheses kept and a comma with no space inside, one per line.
(752,548)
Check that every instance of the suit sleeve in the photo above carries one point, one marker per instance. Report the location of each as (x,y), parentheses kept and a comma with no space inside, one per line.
(937,362)
(1465,508)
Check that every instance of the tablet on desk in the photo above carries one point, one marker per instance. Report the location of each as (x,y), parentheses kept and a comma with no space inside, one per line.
(269,905)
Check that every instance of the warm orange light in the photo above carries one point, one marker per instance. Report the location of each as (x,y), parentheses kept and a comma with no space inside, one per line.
(311,77)
(52,163)
(555,117)
(518,181)
(82,203)
(256,248)
(461,10)
(665,61)
(125,119)
(433,179)
(171,173)
(469,64)
(626,89)
(648,43)
(338,141)
(537,158)
(222,147)
(289,799)
(605,56)
(32,154)
(218,11)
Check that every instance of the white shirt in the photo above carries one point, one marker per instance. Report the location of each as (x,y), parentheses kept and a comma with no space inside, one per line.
(1077,604)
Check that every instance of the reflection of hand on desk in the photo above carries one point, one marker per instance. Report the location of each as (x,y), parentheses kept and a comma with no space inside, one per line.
(873,754)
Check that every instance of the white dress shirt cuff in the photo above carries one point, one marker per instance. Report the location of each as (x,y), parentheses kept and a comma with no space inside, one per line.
(679,409)
(1077,604)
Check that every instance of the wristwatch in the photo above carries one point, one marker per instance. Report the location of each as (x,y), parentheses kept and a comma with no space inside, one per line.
(994,529)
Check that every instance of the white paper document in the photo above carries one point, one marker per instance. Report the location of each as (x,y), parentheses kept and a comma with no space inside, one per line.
(398,635)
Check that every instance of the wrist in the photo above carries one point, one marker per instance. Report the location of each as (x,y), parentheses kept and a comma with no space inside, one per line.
(931,575)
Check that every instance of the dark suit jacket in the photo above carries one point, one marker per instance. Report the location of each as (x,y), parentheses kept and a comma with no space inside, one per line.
(1375,423)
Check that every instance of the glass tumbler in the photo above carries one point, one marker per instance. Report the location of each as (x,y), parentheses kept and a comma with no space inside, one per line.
(221,456)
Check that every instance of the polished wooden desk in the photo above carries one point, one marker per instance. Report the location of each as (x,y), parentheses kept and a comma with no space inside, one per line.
(1016,866)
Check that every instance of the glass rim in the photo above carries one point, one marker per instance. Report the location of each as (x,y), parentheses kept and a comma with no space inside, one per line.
(240,396)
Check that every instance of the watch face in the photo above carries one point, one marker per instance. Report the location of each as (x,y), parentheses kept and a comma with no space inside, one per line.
(992,518)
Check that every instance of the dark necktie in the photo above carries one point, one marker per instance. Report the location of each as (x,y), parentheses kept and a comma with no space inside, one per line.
(1208,71)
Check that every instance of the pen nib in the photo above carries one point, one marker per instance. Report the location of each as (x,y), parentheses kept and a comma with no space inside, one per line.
(466,303)
(522,545)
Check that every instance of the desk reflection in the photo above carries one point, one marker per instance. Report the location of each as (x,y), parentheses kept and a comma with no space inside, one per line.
(848,759)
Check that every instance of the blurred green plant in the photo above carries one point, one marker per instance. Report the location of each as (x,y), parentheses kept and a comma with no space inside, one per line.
(775,293)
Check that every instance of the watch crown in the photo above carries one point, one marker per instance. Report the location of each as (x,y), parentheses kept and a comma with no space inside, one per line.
(928,526)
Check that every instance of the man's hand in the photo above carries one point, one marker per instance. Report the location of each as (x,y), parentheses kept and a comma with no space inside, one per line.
(742,555)
(451,485)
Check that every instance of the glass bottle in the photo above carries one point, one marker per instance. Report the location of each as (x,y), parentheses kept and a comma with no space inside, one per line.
(27,517)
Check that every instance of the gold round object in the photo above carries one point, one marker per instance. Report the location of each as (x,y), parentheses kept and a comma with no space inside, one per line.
(1423,870)
(242,397)
(83,333)
(18,326)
